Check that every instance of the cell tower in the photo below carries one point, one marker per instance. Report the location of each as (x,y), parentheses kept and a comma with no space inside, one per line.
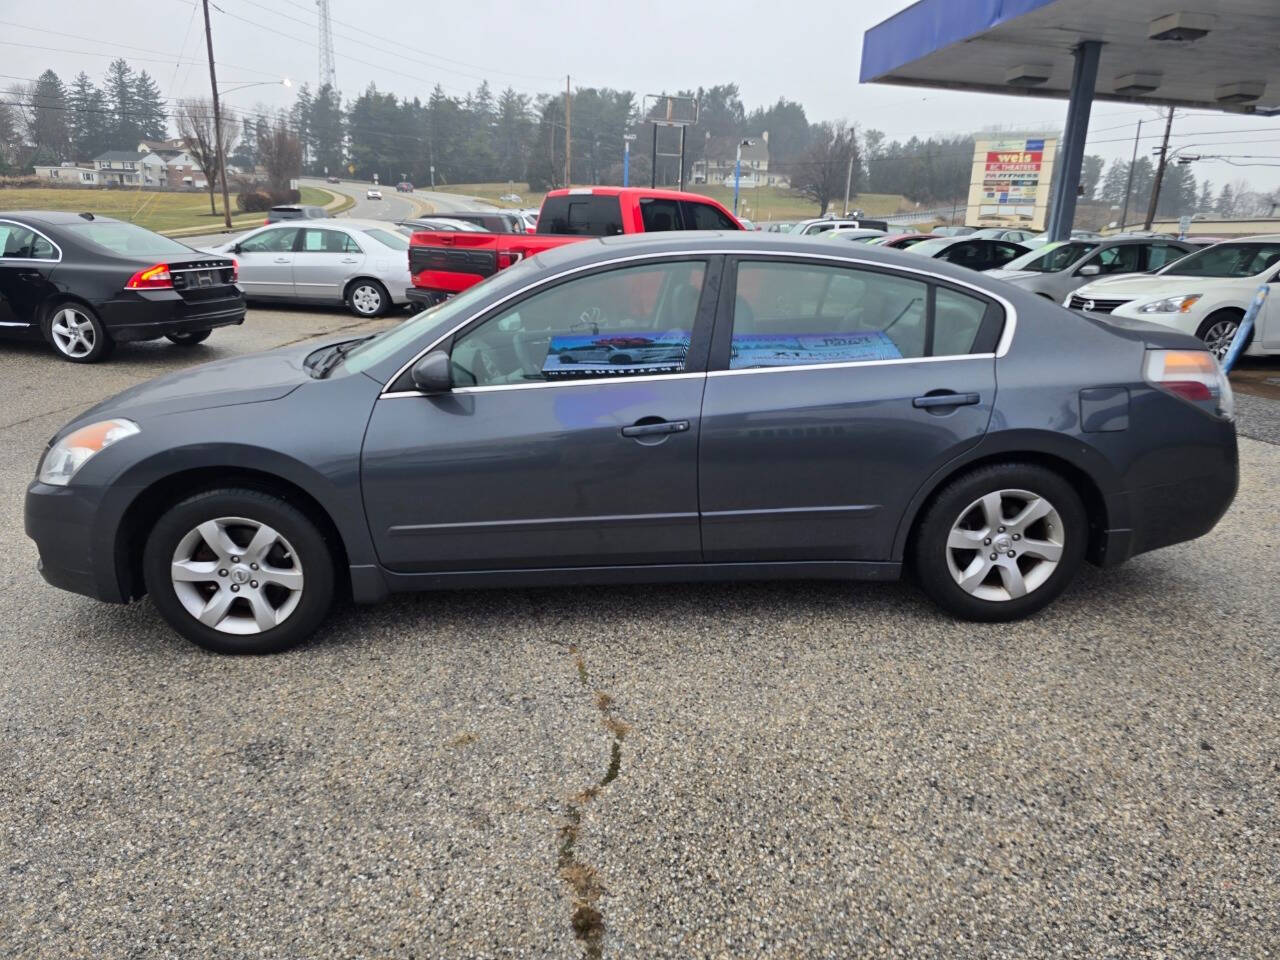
(327,73)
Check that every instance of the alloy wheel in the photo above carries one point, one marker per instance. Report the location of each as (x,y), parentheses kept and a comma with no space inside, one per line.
(1005,545)
(73,333)
(237,576)
(1219,336)
(366,299)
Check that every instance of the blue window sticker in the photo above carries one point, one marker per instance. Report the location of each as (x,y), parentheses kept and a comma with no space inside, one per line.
(787,350)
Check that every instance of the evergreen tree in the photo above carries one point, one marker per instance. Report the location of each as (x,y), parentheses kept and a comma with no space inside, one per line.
(300,120)
(47,129)
(1226,205)
(149,109)
(1113,184)
(325,132)
(512,129)
(88,119)
(1205,203)
(124,131)
(8,138)
(245,156)
(1091,174)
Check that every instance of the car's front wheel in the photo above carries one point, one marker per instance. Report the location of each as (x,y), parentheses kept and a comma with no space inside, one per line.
(1218,330)
(77,333)
(368,298)
(1001,542)
(239,571)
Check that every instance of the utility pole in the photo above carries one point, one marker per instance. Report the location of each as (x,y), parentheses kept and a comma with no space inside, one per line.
(568,128)
(848,182)
(1128,184)
(1164,159)
(217,121)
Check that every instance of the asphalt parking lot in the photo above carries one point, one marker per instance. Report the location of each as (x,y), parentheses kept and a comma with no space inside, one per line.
(774,770)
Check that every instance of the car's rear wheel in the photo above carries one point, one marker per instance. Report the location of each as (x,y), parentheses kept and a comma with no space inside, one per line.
(239,571)
(1218,330)
(76,333)
(368,298)
(1001,542)
(190,338)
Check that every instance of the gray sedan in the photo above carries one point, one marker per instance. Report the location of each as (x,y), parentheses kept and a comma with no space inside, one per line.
(362,264)
(1055,270)
(738,406)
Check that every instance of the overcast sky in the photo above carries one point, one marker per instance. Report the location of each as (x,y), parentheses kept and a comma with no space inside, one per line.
(805,50)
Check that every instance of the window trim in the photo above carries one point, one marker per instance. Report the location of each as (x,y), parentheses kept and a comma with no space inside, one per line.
(298,247)
(40,233)
(718,365)
(1002,345)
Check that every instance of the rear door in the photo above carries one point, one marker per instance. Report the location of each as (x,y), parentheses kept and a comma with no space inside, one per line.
(266,262)
(834,392)
(323,260)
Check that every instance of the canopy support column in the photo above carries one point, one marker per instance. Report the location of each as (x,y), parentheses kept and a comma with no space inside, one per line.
(1070,159)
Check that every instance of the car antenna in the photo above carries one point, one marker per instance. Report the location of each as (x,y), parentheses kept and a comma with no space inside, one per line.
(87,216)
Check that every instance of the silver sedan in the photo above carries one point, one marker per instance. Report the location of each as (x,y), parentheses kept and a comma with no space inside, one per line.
(361,264)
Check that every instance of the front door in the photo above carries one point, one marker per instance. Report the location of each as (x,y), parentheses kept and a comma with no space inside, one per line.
(834,392)
(570,437)
(27,259)
(266,262)
(322,262)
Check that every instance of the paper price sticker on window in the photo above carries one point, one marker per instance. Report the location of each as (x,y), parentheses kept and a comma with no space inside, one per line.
(780,350)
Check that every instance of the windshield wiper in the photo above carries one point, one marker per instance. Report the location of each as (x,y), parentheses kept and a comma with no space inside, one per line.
(322,367)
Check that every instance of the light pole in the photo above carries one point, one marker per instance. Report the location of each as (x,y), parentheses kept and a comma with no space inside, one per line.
(737,171)
(220,152)
(626,158)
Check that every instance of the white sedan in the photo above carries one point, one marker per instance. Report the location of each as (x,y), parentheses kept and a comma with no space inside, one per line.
(373,194)
(1206,293)
(360,264)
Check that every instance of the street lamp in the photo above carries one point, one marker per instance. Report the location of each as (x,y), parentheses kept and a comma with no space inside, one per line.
(285,82)
(220,153)
(626,158)
(737,171)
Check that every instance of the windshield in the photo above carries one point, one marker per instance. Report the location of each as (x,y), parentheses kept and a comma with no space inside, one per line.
(930,247)
(1227,260)
(127,239)
(452,311)
(1052,257)
(388,239)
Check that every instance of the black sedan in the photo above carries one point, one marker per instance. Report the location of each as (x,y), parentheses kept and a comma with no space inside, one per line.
(976,253)
(87,283)
(659,408)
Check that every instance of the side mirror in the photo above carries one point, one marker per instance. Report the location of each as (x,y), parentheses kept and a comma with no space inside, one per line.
(236,248)
(431,374)
(1090,270)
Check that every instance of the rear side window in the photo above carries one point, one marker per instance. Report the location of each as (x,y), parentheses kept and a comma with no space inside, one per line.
(703,216)
(21,243)
(797,314)
(582,215)
(327,241)
(659,215)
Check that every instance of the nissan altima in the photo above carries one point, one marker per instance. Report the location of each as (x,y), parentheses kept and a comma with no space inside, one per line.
(801,409)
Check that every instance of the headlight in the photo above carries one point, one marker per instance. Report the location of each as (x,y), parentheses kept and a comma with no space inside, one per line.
(74,450)
(1171,305)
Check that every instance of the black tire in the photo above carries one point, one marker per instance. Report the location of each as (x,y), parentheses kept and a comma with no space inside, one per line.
(367,291)
(56,318)
(189,339)
(930,553)
(1214,320)
(313,556)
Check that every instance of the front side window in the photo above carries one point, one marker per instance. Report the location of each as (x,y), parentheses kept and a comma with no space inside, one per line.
(270,241)
(1123,258)
(1163,254)
(327,241)
(626,322)
(21,243)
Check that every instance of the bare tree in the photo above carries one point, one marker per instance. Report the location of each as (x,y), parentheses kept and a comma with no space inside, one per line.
(281,153)
(821,171)
(194,118)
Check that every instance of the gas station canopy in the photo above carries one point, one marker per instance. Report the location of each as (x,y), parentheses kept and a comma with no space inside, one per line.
(1209,54)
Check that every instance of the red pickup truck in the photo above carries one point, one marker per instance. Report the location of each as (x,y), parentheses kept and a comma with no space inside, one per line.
(444,263)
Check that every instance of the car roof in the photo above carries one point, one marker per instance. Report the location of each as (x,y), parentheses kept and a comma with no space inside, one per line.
(54,218)
(629,192)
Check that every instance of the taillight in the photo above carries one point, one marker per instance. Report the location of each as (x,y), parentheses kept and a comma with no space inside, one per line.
(235,270)
(507,258)
(266,222)
(1193,375)
(152,278)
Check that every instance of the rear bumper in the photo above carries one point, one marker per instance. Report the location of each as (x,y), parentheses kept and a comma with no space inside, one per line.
(150,314)
(428,298)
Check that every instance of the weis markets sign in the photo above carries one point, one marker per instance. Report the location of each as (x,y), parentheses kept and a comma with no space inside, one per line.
(1010,183)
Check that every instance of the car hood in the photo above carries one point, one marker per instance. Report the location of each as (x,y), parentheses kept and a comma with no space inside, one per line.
(1135,285)
(238,380)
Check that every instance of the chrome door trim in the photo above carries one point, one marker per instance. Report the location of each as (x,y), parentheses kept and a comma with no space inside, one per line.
(1002,347)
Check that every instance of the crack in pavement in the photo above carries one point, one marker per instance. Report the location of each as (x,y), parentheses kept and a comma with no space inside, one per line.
(584,879)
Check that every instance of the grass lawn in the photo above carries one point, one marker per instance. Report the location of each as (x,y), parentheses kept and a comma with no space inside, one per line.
(155,211)
(760,204)
(314,196)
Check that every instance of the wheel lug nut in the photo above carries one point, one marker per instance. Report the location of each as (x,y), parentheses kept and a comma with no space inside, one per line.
(237,559)
(254,566)
(222,573)
(994,556)
(987,541)
(1017,536)
(999,529)
(1012,554)
(254,584)
(234,588)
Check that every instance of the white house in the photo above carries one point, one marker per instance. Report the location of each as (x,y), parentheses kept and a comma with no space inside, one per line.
(71,174)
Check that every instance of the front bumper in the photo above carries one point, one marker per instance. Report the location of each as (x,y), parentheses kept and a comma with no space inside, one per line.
(61,521)
(151,314)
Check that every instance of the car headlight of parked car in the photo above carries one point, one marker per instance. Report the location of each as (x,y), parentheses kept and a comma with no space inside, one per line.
(1171,304)
(77,448)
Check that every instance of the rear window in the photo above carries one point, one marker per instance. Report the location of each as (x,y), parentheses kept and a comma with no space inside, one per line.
(127,239)
(393,240)
(583,215)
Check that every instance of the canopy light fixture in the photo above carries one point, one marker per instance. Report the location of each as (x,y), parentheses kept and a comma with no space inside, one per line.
(1028,74)
(1181,27)
(1242,91)
(1135,84)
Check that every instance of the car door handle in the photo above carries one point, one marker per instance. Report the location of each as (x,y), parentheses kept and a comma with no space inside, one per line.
(283,260)
(350,260)
(948,399)
(655,429)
